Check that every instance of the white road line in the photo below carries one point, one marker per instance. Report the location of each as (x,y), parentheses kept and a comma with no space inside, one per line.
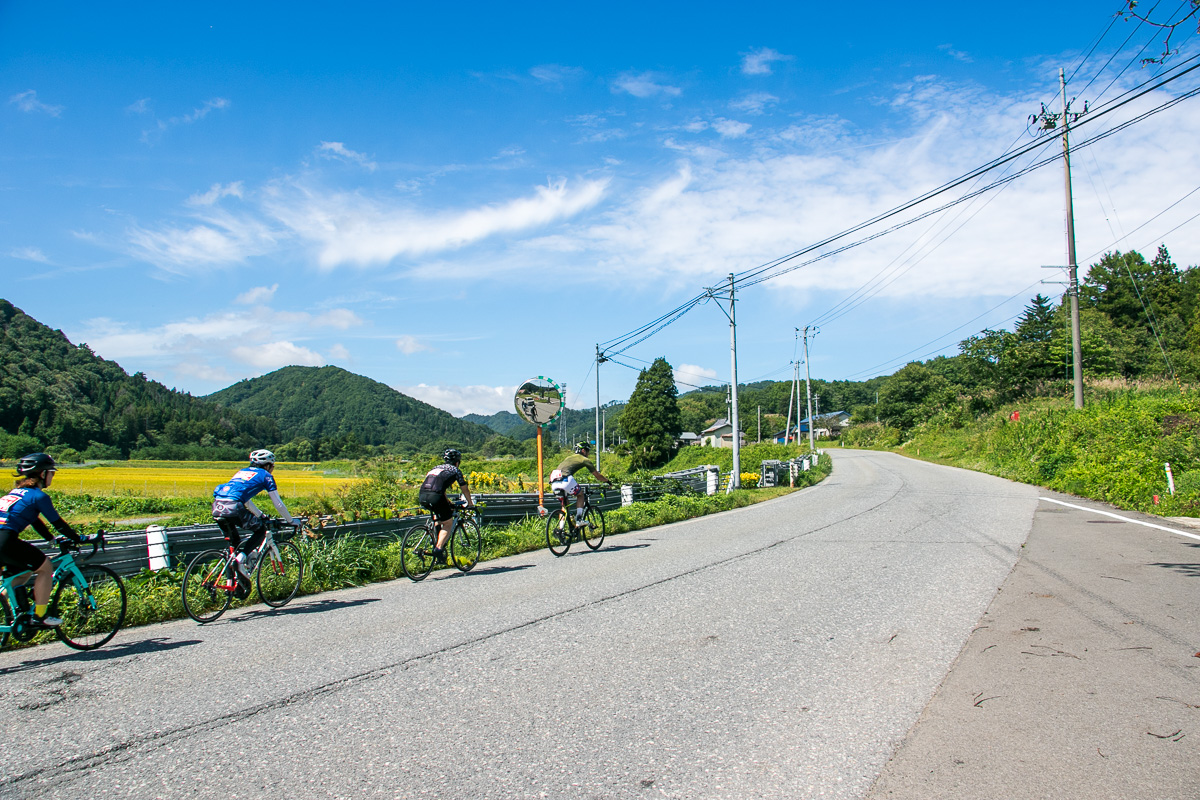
(1124,519)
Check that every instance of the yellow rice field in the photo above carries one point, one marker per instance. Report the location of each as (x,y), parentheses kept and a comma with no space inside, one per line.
(178,479)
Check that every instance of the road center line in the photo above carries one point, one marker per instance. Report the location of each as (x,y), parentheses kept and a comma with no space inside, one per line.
(1123,519)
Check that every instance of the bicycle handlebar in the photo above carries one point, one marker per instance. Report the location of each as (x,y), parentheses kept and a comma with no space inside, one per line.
(66,545)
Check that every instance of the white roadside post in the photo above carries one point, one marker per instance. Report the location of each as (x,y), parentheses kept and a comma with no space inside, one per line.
(156,548)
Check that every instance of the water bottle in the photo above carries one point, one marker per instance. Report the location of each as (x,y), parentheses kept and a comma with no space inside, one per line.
(251,561)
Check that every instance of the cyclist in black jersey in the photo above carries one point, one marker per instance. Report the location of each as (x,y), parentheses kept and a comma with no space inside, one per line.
(433,497)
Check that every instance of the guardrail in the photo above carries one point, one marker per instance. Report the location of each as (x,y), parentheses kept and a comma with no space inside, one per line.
(156,547)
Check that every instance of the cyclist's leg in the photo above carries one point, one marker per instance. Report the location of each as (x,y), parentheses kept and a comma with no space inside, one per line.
(22,555)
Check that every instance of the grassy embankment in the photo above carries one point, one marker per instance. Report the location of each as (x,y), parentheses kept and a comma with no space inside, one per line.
(1114,449)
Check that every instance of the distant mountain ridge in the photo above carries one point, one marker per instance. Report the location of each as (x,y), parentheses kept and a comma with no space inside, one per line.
(325,402)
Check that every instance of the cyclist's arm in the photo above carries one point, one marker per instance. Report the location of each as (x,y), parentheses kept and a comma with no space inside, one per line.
(601,478)
(466,493)
(46,508)
(66,530)
(280,507)
(253,509)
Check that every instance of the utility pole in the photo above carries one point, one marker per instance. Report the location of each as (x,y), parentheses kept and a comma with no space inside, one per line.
(812,440)
(760,424)
(817,400)
(1050,121)
(735,479)
(787,429)
(600,359)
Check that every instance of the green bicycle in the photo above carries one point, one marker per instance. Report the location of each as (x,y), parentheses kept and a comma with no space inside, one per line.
(562,529)
(89,598)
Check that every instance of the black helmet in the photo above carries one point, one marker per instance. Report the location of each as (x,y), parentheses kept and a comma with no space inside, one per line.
(34,464)
(583,447)
(452,456)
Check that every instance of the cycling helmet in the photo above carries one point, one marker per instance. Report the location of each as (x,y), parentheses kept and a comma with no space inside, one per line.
(452,456)
(34,464)
(583,447)
(261,458)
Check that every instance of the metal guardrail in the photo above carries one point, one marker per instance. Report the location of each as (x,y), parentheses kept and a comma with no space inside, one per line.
(130,552)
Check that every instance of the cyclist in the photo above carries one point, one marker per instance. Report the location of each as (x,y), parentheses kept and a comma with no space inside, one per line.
(562,480)
(233,507)
(22,508)
(432,496)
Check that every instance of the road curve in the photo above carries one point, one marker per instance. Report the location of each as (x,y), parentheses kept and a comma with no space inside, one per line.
(781,650)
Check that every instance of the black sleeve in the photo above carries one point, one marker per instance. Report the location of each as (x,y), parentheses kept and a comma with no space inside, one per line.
(66,530)
(41,528)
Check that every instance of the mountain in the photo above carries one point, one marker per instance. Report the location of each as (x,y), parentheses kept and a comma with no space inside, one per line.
(506,423)
(577,424)
(328,403)
(62,397)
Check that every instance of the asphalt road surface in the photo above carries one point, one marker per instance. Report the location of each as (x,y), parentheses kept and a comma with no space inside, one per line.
(784,650)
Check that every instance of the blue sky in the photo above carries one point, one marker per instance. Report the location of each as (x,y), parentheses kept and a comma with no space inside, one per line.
(453,199)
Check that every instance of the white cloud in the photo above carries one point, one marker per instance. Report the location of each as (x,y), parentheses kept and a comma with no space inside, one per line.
(957,55)
(352,229)
(339,152)
(258,295)
(195,115)
(340,318)
(217,238)
(644,84)
(411,344)
(730,129)
(216,193)
(140,107)
(30,254)
(691,375)
(29,103)
(460,400)
(338,352)
(556,74)
(273,355)
(759,62)
(754,103)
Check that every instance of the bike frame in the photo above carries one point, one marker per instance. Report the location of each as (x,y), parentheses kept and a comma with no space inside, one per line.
(64,568)
(267,542)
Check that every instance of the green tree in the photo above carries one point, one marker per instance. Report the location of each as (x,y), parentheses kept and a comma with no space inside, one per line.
(912,395)
(651,419)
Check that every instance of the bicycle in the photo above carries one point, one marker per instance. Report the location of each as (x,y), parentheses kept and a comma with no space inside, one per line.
(89,598)
(562,529)
(210,581)
(463,548)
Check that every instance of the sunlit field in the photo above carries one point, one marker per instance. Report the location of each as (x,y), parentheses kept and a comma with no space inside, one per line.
(189,479)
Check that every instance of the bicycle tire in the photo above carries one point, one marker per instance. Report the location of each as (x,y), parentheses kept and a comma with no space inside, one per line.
(593,532)
(466,545)
(416,553)
(558,539)
(91,612)
(8,621)
(279,579)
(208,586)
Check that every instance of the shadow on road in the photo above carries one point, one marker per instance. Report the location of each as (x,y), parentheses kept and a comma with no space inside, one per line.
(495,570)
(314,607)
(1190,570)
(617,547)
(119,650)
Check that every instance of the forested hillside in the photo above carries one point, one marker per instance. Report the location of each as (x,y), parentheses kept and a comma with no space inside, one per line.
(327,410)
(60,396)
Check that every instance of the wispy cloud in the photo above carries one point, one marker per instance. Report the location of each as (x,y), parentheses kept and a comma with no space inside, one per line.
(957,55)
(195,115)
(30,254)
(216,193)
(273,355)
(759,61)
(348,228)
(556,74)
(730,129)
(460,400)
(411,344)
(216,238)
(692,375)
(754,103)
(339,152)
(644,84)
(257,296)
(28,102)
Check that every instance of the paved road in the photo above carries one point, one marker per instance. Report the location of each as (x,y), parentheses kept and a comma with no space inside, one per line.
(783,650)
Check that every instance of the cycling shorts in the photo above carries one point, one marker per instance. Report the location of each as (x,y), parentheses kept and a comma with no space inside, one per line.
(564,484)
(17,554)
(437,503)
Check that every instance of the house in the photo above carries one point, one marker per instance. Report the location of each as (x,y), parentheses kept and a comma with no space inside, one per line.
(720,434)
(686,439)
(827,425)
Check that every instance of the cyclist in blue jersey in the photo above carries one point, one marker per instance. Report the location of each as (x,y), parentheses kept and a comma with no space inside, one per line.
(432,496)
(233,507)
(21,508)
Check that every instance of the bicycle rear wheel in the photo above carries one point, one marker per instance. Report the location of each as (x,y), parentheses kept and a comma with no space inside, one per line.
(416,553)
(558,532)
(466,545)
(208,586)
(92,610)
(279,578)
(7,620)
(593,531)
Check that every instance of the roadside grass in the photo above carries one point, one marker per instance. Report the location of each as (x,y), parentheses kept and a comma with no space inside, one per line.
(347,562)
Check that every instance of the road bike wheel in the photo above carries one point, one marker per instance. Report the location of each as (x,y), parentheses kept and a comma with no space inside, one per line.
(558,532)
(92,611)
(279,578)
(208,586)
(466,545)
(593,532)
(416,553)
(8,621)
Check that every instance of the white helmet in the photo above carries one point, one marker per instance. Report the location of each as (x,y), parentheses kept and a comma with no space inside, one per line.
(261,458)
